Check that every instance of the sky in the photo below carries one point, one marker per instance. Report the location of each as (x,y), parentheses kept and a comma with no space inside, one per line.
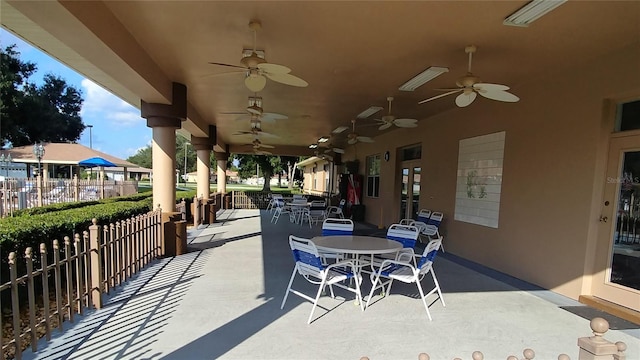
(118,129)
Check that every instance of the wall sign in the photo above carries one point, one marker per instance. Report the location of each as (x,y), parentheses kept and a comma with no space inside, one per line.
(479,180)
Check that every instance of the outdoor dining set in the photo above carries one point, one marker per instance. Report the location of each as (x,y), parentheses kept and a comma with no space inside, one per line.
(338,258)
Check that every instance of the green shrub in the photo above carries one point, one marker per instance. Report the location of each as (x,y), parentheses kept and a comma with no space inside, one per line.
(82,204)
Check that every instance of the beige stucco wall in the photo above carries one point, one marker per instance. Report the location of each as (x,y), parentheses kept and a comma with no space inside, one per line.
(552,177)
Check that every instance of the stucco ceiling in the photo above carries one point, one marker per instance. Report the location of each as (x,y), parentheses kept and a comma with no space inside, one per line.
(352,54)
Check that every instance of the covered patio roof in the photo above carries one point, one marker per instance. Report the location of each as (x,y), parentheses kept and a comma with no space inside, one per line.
(353,55)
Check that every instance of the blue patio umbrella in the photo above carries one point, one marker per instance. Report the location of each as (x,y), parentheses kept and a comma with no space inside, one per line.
(97,161)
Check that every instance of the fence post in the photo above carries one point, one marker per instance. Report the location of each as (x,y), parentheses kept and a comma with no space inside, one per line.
(96,264)
(596,347)
(195,211)
(15,304)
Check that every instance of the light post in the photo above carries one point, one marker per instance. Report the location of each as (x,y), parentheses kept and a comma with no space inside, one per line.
(90,136)
(186,145)
(38,151)
(5,162)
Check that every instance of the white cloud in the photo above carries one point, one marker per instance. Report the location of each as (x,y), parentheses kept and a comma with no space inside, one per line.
(98,102)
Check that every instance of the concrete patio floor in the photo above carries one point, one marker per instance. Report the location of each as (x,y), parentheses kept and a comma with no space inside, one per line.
(222,300)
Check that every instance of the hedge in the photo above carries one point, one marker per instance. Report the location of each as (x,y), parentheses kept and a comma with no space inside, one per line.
(81,204)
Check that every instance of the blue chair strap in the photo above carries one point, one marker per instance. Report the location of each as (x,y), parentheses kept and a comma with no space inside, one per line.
(406,243)
(389,269)
(431,255)
(332,232)
(343,270)
(307,258)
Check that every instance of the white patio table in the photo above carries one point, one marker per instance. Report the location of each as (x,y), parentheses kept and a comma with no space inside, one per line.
(356,245)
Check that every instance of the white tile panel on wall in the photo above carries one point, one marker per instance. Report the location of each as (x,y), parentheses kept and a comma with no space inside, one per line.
(479,179)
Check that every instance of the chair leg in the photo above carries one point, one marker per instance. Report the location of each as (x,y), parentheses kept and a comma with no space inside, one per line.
(286,293)
(424,301)
(315,302)
(435,281)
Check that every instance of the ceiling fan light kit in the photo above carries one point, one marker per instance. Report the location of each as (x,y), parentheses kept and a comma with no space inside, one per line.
(257,69)
(531,12)
(422,78)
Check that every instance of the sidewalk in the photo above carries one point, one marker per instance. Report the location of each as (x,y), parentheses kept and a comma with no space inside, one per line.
(222,300)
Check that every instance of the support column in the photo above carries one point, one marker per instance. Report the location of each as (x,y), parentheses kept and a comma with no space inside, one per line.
(203,147)
(221,161)
(164,120)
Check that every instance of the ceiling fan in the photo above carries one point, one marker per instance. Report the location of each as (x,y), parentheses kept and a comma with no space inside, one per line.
(256,131)
(258,146)
(323,156)
(255,111)
(470,86)
(257,69)
(389,120)
(353,137)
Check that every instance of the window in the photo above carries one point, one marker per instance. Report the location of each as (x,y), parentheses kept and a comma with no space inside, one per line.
(373,176)
(628,116)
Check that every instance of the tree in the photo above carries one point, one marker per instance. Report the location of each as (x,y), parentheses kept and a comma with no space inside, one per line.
(13,77)
(26,107)
(267,164)
(144,157)
(291,162)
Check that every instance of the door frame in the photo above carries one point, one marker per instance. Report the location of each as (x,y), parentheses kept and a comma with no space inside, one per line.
(410,164)
(601,287)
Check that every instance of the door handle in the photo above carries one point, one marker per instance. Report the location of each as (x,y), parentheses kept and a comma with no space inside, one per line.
(603,219)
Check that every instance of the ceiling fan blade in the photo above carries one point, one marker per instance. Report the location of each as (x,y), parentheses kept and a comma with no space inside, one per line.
(229,65)
(448,89)
(499,96)
(440,96)
(352,141)
(268,68)
(273,116)
(490,87)
(405,123)
(364,139)
(338,150)
(464,99)
(255,83)
(262,152)
(385,126)
(287,79)
(233,113)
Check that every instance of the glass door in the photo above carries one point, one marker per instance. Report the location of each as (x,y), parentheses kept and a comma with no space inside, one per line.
(409,190)
(617,271)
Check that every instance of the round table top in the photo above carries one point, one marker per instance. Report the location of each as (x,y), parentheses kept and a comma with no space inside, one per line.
(355,244)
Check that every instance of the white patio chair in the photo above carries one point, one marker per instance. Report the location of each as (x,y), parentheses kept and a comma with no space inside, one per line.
(315,213)
(407,235)
(424,215)
(407,222)
(279,210)
(335,227)
(336,211)
(409,273)
(272,202)
(433,227)
(310,267)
